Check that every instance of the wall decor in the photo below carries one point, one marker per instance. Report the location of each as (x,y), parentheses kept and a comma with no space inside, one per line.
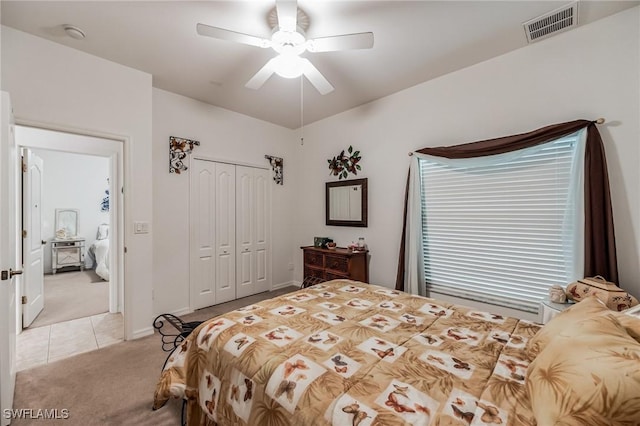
(347,203)
(277,165)
(104,205)
(178,150)
(342,164)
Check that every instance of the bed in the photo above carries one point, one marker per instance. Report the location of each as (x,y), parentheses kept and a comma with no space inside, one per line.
(349,353)
(99,252)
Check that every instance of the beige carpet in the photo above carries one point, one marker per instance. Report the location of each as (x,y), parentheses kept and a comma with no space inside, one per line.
(71,295)
(110,386)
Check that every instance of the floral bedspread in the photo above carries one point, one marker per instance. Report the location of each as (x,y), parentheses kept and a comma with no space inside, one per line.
(349,353)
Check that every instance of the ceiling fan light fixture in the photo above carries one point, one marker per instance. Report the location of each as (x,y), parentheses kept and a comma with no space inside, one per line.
(288,66)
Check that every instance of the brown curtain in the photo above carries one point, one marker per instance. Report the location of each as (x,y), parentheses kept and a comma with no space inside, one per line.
(599,239)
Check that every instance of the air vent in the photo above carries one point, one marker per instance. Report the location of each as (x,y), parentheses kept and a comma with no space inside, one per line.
(552,23)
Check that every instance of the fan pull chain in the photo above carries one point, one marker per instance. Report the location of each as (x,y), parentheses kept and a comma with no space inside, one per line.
(301,110)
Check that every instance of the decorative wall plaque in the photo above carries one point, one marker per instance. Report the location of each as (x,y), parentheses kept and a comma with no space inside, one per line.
(277,165)
(179,148)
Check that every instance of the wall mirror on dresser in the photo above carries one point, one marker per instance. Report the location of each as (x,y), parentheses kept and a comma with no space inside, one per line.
(66,223)
(346,203)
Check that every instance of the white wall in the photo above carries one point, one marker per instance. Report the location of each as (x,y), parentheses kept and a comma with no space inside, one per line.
(68,89)
(73,181)
(590,72)
(223,135)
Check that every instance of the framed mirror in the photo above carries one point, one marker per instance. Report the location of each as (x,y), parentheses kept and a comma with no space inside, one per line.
(66,223)
(346,203)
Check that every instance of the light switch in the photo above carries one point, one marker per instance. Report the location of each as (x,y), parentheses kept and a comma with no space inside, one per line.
(141,227)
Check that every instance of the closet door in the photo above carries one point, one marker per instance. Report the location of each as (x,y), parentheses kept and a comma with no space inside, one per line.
(262,209)
(253,227)
(225,237)
(245,232)
(202,234)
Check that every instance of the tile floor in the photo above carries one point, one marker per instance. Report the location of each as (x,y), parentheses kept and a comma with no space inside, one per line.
(41,345)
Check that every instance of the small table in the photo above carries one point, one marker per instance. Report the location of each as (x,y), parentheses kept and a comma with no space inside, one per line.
(67,252)
(549,309)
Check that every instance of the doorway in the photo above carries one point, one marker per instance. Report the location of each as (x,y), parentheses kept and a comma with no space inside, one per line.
(73,287)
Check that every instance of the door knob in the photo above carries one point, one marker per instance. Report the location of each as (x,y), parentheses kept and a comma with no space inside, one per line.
(6,275)
(43,242)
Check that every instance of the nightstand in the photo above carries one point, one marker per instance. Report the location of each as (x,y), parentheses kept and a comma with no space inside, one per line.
(549,309)
(67,252)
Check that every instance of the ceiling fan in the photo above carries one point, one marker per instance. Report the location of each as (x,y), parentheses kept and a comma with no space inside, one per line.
(289,41)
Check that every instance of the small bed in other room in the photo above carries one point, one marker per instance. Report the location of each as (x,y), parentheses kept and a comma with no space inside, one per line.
(349,353)
(99,252)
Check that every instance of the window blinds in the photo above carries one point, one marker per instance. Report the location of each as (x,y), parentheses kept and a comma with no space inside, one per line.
(502,229)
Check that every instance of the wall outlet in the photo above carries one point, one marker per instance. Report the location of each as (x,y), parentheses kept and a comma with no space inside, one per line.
(290,266)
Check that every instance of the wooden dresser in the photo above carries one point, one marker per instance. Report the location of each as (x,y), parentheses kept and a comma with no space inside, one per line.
(331,264)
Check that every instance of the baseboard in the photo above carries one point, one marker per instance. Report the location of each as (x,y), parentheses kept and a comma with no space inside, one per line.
(180,312)
(144,332)
(285,284)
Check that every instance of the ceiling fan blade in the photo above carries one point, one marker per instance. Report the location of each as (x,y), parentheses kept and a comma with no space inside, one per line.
(222,34)
(287,14)
(341,42)
(262,76)
(313,75)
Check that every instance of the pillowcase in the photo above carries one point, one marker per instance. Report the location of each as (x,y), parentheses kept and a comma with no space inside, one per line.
(630,320)
(103,232)
(587,374)
(613,296)
(587,308)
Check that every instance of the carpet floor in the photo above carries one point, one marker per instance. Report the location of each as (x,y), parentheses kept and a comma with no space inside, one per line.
(72,295)
(110,386)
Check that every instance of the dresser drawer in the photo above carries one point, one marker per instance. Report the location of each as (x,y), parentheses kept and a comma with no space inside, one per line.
(334,276)
(314,272)
(68,255)
(313,259)
(337,264)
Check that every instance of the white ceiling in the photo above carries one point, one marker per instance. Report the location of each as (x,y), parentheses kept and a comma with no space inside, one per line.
(415,41)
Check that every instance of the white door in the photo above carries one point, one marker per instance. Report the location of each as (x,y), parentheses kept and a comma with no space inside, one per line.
(253,227)
(33,265)
(8,160)
(245,232)
(225,219)
(202,234)
(262,209)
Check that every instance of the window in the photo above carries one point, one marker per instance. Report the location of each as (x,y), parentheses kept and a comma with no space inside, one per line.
(502,229)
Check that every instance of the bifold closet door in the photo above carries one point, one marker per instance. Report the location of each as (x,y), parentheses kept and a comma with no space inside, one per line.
(213,267)
(252,231)
(225,220)
(202,235)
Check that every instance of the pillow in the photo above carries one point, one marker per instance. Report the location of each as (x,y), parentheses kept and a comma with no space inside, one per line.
(587,375)
(613,296)
(589,307)
(103,231)
(630,320)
